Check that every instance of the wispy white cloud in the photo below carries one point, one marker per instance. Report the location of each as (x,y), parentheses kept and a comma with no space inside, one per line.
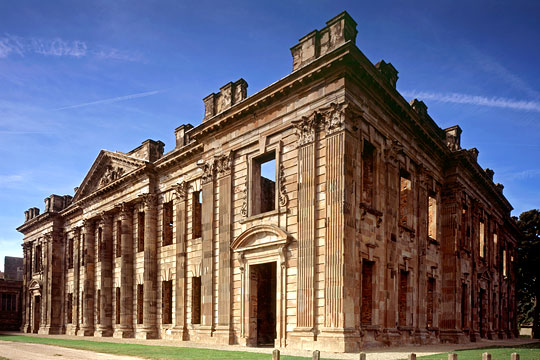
(457,98)
(10,179)
(15,45)
(524,174)
(112,100)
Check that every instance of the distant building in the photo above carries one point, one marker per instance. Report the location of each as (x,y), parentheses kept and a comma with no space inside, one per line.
(11,294)
(323,212)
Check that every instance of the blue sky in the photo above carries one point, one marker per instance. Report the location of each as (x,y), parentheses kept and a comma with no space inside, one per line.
(77,77)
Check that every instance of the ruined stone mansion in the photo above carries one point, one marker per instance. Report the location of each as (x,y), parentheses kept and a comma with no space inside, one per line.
(322,212)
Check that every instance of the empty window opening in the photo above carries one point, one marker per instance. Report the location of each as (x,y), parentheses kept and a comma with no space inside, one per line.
(504,263)
(118,304)
(166,302)
(263,184)
(367,292)
(98,307)
(70,254)
(167,223)
(368,173)
(37,259)
(140,231)
(495,249)
(196,300)
(482,241)
(432,217)
(196,217)
(118,238)
(430,301)
(463,306)
(69,308)
(83,251)
(405,199)
(140,303)
(403,297)
(100,244)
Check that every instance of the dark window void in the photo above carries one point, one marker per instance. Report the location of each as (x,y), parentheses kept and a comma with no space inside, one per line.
(430,301)
(118,304)
(166,302)
(167,223)
(263,280)
(9,302)
(405,199)
(196,217)
(140,231)
(118,238)
(403,296)
(37,259)
(482,240)
(70,254)
(98,307)
(368,173)
(140,303)
(263,184)
(196,300)
(367,292)
(463,306)
(69,308)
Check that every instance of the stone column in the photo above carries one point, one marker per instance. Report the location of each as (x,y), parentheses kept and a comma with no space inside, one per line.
(27,276)
(224,170)
(149,328)
(181,193)
(105,322)
(45,284)
(305,305)
(125,330)
(76,281)
(207,292)
(87,328)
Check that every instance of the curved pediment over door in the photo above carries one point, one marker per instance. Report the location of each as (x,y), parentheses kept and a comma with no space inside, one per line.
(260,237)
(34,285)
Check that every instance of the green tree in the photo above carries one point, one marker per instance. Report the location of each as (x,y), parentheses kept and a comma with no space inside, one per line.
(528,270)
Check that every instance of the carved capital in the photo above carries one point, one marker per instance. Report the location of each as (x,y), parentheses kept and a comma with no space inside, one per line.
(105,217)
(392,152)
(334,116)
(208,169)
(124,208)
(223,164)
(180,190)
(149,199)
(88,224)
(306,128)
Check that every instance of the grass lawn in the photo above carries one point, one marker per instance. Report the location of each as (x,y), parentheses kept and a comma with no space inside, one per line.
(145,351)
(526,352)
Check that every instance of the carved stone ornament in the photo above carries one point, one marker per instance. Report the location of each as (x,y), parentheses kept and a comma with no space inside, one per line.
(208,169)
(306,128)
(111,174)
(180,190)
(223,164)
(123,208)
(148,199)
(283,198)
(244,209)
(334,118)
(391,152)
(105,217)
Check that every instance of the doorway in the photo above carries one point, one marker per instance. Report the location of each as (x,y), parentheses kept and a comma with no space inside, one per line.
(37,313)
(263,277)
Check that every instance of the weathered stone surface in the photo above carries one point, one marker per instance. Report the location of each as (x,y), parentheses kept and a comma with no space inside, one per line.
(364,230)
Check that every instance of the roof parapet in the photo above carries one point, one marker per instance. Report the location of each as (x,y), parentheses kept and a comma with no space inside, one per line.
(229,95)
(453,138)
(388,71)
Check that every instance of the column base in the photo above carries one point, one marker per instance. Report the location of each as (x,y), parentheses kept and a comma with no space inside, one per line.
(50,330)
(453,336)
(146,333)
(421,336)
(178,333)
(475,336)
(71,330)
(301,338)
(103,331)
(502,335)
(492,335)
(86,331)
(124,333)
(338,340)
(223,335)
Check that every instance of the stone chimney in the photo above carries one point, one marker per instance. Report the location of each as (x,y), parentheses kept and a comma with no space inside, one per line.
(420,108)
(55,203)
(149,150)
(230,94)
(181,136)
(490,173)
(499,187)
(388,71)
(453,137)
(338,31)
(474,153)
(30,214)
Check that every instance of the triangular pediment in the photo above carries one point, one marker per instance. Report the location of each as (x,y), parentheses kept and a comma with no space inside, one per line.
(108,168)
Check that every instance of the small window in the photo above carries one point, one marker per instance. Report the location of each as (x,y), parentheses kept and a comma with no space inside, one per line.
(37,259)
(432,217)
(482,241)
(70,254)
(368,173)
(69,308)
(196,216)
(405,199)
(494,248)
(140,231)
(140,303)
(100,244)
(403,297)
(367,292)
(167,223)
(430,301)
(196,300)
(98,307)
(119,238)
(166,302)
(83,251)
(118,304)
(263,184)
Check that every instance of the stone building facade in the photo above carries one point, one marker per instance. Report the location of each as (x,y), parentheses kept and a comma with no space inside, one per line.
(323,212)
